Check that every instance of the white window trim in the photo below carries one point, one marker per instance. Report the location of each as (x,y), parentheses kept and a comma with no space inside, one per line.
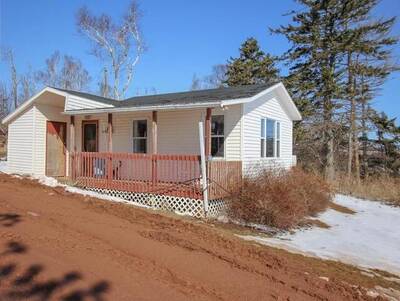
(148,133)
(224,136)
(275,144)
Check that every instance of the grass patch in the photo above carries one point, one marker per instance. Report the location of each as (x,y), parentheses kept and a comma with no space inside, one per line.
(377,188)
(279,198)
(314,222)
(340,208)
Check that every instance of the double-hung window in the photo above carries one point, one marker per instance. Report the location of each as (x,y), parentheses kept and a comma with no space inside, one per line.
(217,136)
(270,138)
(139,136)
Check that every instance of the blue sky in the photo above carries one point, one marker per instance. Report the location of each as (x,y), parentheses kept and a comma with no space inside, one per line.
(183,37)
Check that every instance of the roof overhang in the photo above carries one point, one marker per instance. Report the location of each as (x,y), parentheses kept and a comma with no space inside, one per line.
(144,108)
(30,102)
(279,88)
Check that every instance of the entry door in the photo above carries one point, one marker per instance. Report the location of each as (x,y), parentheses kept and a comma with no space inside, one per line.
(55,148)
(89,136)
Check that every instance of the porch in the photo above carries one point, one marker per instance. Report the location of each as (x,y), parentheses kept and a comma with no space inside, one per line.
(173,175)
(144,173)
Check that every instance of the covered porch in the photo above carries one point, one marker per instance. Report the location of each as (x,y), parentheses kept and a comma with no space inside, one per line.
(152,152)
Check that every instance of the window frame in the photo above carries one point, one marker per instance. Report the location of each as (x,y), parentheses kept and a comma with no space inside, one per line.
(218,136)
(277,138)
(139,138)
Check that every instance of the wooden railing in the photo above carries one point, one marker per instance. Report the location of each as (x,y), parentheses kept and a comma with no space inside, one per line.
(176,175)
(223,176)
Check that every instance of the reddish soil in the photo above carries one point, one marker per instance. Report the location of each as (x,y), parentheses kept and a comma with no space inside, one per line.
(56,245)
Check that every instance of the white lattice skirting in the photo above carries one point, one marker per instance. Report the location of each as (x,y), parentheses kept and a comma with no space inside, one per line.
(181,205)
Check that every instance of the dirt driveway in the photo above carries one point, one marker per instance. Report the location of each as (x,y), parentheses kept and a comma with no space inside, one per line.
(59,246)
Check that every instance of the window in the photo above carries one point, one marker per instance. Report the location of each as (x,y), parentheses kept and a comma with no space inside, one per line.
(270,138)
(217,136)
(140,136)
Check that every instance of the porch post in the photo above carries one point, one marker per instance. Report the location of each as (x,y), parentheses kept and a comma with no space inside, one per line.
(154,132)
(110,130)
(154,172)
(71,165)
(207,136)
(72,134)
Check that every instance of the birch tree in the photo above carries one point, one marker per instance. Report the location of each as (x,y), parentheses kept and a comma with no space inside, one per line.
(119,46)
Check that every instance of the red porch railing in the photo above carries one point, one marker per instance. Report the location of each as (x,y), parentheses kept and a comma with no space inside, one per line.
(176,175)
(222,177)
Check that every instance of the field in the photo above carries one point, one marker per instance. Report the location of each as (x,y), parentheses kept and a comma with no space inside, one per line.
(56,245)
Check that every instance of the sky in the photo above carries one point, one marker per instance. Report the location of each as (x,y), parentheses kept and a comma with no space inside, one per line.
(183,38)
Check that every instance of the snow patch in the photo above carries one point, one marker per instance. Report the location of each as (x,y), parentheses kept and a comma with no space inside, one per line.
(369,238)
(3,166)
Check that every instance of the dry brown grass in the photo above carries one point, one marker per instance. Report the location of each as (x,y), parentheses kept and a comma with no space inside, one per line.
(280,199)
(341,208)
(379,188)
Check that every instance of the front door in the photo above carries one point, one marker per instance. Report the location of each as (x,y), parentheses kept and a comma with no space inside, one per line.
(89,136)
(55,148)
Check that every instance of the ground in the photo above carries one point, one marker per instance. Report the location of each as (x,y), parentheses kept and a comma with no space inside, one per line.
(55,245)
(366,235)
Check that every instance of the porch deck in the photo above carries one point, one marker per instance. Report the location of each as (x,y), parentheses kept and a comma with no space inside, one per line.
(173,175)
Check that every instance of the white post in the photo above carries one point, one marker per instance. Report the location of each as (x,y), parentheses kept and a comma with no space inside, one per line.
(203,168)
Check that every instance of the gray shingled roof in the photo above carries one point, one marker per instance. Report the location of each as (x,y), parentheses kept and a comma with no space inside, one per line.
(88,96)
(190,97)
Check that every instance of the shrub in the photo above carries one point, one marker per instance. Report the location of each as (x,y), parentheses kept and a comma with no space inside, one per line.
(279,198)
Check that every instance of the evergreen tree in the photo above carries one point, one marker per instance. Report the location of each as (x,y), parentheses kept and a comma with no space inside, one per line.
(387,141)
(253,66)
(330,39)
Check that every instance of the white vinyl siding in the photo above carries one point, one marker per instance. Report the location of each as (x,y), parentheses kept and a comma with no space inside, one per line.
(102,131)
(122,130)
(76,103)
(267,106)
(177,131)
(21,142)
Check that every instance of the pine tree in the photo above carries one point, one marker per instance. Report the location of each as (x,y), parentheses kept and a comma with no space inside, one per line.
(368,44)
(388,138)
(253,66)
(330,41)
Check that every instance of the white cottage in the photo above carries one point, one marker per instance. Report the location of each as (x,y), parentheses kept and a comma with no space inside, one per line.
(143,143)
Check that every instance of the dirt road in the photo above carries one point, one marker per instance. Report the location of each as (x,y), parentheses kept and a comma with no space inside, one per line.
(59,246)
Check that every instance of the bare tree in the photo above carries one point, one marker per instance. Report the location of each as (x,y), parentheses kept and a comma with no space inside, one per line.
(73,75)
(119,45)
(196,83)
(4,109)
(103,85)
(8,56)
(218,77)
(27,86)
(64,72)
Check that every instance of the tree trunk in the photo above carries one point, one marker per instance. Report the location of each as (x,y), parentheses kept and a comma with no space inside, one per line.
(351,115)
(364,136)
(329,143)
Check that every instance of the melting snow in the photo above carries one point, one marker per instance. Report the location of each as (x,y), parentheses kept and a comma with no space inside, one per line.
(370,238)
(3,166)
